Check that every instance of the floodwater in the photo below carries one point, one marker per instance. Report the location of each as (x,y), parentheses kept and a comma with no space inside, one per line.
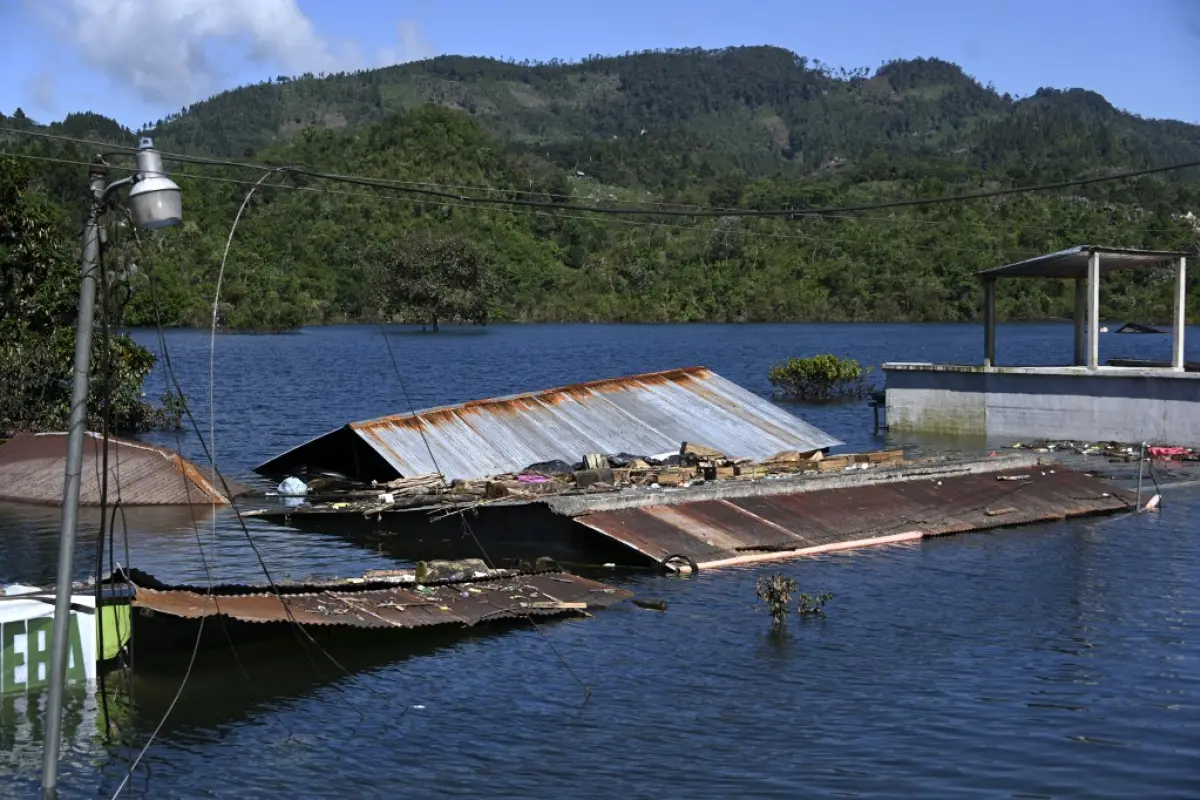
(1052,661)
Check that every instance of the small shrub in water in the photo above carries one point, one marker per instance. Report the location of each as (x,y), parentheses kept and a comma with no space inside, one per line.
(776,591)
(808,605)
(821,379)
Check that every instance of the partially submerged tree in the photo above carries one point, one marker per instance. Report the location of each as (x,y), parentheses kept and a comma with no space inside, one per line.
(39,284)
(432,280)
(821,379)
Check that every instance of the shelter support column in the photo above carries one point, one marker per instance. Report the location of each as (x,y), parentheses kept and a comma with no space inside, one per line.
(1080,322)
(1093,320)
(1180,313)
(989,322)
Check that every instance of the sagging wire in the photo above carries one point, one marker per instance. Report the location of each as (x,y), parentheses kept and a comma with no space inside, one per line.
(132,768)
(297,626)
(465,526)
(212,342)
(786,213)
(557,211)
(170,369)
(112,315)
(1145,464)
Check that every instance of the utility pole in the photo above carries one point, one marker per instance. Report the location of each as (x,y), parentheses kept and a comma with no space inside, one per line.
(155,202)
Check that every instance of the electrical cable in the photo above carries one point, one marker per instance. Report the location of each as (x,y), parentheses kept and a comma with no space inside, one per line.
(212,342)
(465,526)
(1013,254)
(786,213)
(298,627)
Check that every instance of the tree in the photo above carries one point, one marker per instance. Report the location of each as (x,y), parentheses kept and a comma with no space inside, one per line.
(38,285)
(437,279)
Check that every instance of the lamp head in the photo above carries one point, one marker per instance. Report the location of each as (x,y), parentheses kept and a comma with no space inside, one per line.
(154,199)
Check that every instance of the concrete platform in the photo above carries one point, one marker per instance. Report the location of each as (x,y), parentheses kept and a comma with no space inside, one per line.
(1124,404)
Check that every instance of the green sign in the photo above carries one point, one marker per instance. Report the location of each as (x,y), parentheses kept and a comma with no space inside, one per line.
(25,654)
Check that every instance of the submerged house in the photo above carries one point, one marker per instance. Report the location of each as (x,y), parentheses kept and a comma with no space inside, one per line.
(643,415)
(761,489)
(32,469)
(1084,399)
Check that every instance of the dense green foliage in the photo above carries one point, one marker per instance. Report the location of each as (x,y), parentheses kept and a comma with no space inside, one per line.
(822,378)
(39,284)
(745,128)
(434,280)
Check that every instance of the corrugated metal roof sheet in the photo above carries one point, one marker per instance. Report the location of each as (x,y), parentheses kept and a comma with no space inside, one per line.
(643,414)
(710,531)
(32,466)
(1073,262)
(466,602)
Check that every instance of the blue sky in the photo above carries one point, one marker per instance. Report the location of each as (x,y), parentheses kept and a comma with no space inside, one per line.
(137,60)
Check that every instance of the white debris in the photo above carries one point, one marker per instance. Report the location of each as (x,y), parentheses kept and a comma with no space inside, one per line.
(293,487)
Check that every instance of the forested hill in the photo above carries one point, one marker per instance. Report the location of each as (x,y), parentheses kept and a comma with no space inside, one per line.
(749,127)
(756,108)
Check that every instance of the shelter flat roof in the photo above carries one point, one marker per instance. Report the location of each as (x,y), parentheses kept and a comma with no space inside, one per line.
(1073,262)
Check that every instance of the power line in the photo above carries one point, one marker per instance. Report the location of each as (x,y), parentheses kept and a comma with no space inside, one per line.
(558,214)
(786,213)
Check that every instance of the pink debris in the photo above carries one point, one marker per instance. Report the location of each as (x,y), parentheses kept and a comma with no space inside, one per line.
(1168,452)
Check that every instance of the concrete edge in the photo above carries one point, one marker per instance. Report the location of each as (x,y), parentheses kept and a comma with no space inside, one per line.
(577,505)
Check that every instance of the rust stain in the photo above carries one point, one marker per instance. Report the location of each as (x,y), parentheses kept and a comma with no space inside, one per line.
(718,530)
(383,605)
(32,466)
(649,413)
(518,404)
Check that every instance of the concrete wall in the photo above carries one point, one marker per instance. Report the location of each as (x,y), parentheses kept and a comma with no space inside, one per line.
(1112,404)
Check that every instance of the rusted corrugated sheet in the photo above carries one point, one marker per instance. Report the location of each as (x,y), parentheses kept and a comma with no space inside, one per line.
(715,530)
(32,465)
(643,414)
(393,606)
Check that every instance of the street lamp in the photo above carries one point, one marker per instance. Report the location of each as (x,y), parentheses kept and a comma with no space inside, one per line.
(155,202)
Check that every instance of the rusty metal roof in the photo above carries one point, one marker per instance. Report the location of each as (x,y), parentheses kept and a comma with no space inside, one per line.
(32,467)
(711,531)
(1073,262)
(384,605)
(646,414)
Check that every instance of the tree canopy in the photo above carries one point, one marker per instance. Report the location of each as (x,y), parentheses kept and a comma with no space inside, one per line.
(740,128)
(39,284)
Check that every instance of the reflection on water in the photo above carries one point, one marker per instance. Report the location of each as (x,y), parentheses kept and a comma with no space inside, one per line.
(1059,660)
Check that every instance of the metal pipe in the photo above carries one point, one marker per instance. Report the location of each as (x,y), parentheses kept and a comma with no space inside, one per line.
(1093,293)
(97,175)
(989,323)
(1177,362)
(1141,469)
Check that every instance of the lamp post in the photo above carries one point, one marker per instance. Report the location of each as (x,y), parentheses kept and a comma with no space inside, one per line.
(155,202)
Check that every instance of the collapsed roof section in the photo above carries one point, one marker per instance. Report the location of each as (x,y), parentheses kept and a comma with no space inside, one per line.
(646,414)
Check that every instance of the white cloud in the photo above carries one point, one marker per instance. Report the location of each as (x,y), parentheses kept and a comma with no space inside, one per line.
(178,51)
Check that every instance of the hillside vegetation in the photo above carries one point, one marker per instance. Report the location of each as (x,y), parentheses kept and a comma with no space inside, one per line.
(743,128)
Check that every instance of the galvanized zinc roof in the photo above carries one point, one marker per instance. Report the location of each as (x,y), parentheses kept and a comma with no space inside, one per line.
(646,414)
(1073,262)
